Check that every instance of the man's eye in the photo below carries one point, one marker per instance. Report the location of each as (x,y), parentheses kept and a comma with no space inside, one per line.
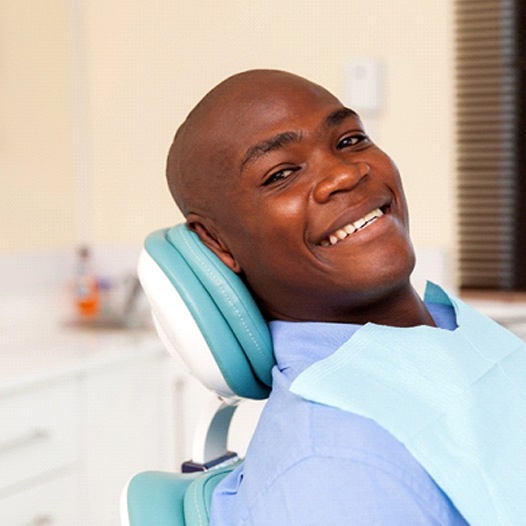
(352,140)
(278,176)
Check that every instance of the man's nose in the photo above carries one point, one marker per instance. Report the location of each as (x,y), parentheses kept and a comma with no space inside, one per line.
(341,177)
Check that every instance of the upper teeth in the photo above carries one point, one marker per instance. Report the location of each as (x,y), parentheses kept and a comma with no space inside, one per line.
(349,229)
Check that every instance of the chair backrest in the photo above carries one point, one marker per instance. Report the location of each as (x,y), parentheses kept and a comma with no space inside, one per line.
(206,317)
(205,314)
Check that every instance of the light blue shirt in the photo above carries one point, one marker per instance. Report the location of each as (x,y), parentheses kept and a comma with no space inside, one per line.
(310,464)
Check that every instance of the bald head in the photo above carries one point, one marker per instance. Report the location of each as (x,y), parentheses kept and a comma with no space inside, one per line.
(272,172)
(200,160)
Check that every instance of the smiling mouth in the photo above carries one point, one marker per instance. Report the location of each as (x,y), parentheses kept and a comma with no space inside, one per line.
(348,230)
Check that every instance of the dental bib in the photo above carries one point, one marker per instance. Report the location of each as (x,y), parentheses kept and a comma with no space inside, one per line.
(455,399)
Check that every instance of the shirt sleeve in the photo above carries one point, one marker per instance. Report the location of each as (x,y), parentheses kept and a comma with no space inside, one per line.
(328,491)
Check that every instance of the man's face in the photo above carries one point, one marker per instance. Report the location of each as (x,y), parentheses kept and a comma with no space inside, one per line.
(312,211)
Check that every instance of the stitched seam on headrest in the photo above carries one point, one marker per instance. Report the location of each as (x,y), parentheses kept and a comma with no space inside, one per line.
(238,314)
(200,489)
(200,518)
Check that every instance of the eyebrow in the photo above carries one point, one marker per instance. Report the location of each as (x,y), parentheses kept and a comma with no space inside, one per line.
(269,145)
(282,139)
(338,116)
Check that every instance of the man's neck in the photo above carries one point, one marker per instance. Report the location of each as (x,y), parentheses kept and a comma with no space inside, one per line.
(403,308)
(397,307)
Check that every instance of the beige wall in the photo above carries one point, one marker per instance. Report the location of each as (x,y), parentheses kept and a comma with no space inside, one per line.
(134,69)
(36,184)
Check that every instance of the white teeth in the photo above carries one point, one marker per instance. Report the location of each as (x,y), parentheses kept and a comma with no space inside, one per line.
(349,229)
(359,223)
(372,215)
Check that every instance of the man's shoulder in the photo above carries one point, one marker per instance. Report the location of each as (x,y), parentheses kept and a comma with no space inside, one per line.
(304,453)
(293,431)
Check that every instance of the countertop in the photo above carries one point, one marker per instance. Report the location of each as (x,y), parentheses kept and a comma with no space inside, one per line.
(39,342)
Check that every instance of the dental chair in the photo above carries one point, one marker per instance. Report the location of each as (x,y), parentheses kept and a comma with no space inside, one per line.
(206,316)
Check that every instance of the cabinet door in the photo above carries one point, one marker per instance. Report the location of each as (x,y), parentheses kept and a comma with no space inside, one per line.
(37,433)
(123,430)
(54,503)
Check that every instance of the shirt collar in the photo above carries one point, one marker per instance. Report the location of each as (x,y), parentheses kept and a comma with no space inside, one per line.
(297,345)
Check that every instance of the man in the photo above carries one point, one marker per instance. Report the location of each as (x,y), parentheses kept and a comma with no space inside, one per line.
(283,184)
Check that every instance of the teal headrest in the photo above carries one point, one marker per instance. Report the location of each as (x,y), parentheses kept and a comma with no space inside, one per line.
(228,318)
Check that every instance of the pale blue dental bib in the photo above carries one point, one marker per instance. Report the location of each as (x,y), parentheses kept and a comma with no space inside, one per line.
(455,399)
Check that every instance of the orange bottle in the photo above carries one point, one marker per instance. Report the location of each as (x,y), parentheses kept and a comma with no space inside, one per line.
(87,299)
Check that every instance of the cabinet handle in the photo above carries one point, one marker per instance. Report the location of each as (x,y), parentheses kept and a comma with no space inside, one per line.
(42,520)
(30,438)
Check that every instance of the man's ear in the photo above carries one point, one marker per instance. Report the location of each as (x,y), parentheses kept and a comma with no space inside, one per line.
(210,239)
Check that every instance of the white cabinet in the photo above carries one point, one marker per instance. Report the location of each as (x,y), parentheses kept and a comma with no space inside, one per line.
(52,503)
(124,430)
(38,454)
(69,442)
(37,433)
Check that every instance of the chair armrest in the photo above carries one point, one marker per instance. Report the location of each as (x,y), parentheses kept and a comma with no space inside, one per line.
(155,498)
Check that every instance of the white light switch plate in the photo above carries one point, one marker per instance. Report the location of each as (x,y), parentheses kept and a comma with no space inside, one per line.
(362,85)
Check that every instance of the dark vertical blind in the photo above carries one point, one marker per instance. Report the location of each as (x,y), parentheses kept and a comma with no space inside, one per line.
(490,117)
(520,145)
